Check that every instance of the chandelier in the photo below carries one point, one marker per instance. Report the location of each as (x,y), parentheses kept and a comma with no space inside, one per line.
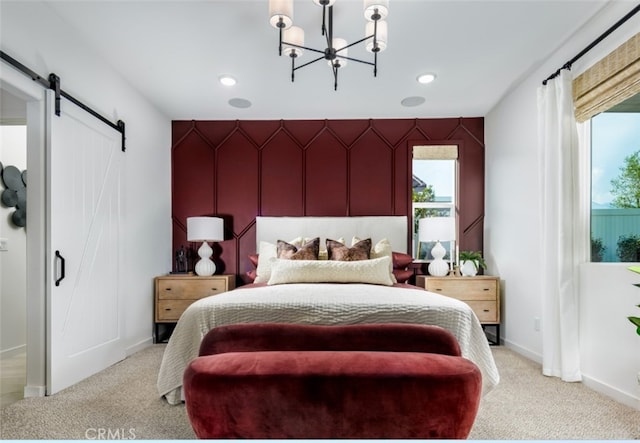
(291,38)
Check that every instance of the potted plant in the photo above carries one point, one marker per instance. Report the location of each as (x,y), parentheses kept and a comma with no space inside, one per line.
(471,262)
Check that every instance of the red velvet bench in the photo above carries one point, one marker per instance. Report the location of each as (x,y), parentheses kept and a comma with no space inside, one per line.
(306,381)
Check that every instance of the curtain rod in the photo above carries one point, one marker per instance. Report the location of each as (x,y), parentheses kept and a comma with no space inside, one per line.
(615,26)
(53,82)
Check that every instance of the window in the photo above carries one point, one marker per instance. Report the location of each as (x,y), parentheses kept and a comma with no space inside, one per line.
(433,191)
(615,183)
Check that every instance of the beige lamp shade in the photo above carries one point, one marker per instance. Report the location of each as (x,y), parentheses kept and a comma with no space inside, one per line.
(281,9)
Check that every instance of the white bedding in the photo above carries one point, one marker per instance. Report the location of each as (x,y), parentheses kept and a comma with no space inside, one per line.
(323,304)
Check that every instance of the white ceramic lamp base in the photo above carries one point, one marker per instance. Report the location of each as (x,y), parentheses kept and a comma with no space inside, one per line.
(438,267)
(205,266)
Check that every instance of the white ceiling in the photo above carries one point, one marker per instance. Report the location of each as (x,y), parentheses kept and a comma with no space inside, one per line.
(174,51)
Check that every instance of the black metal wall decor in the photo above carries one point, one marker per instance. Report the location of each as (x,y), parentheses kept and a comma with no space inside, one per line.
(15,193)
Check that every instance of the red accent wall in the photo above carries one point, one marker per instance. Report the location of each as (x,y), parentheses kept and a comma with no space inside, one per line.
(240,169)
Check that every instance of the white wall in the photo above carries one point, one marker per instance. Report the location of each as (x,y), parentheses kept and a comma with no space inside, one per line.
(13,262)
(610,350)
(32,33)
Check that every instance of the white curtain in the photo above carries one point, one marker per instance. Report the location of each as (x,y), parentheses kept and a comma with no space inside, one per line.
(560,228)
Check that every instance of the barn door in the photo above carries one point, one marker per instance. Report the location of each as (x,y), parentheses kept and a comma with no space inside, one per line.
(84,305)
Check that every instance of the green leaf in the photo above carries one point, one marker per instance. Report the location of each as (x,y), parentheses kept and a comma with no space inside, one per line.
(635,269)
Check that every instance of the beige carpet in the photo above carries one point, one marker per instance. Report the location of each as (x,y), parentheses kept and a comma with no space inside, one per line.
(121,402)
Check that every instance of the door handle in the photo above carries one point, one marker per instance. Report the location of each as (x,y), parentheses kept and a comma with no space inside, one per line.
(60,258)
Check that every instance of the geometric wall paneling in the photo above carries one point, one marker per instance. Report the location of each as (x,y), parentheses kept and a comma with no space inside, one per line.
(371,176)
(349,130)
(241,169)
(193,163)
(438,129)
(215,134)
(259,131)
(394,131)
(237,179)
(303,131)
(326,177)
(282,176)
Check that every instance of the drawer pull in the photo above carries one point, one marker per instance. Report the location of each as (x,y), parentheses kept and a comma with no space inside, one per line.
(485,289)
(167,289)
(214,289)
(486,310)
(439,289)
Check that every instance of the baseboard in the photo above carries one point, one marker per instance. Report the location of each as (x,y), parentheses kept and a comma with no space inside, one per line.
(12,352)
(35,391)
(609,391)
(139,346)
(525,352)
(591,383)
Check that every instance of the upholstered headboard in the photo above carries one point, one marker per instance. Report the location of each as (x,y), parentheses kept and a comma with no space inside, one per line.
(393,228)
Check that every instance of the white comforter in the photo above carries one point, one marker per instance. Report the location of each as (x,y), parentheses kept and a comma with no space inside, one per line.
(323,304)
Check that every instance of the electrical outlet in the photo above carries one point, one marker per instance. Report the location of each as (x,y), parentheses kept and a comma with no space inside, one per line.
(536,324)
(4,244)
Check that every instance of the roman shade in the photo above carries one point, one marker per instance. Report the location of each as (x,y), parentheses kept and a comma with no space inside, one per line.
(609,82)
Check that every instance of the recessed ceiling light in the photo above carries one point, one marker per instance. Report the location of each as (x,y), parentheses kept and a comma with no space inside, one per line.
(412,101)
(426,78)
(227,80)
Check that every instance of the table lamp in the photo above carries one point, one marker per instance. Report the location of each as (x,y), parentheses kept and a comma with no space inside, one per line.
(205,229)
(437,229)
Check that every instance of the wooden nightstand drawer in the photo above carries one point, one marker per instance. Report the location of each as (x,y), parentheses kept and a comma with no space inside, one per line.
(486,311)
(171,310)
(463,289)
(190,289)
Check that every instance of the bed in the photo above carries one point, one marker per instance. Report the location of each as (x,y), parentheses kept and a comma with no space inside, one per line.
(325,302)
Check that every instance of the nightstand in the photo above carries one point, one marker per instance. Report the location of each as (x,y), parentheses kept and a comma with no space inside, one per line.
(174,294)
(481,293)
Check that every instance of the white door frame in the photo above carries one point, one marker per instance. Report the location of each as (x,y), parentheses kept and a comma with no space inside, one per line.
(34,95)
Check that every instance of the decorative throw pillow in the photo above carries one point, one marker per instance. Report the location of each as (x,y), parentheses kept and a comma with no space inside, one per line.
(268,252)
(339,252)
(374,271)
(401,260)
(308,251)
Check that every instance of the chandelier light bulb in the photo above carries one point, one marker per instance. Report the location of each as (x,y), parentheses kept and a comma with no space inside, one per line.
(324,2)
(370,7)
(293,35)
(339,43)
(381,37)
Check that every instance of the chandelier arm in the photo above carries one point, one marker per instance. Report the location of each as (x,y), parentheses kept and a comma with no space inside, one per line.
(308,63)
(280,39)
(293,68)
(356,60)
(303,47)
(355,43)
(335,77)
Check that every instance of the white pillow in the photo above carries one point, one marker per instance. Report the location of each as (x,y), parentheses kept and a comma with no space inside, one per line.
(267,253)
(381,249)
(374,271)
